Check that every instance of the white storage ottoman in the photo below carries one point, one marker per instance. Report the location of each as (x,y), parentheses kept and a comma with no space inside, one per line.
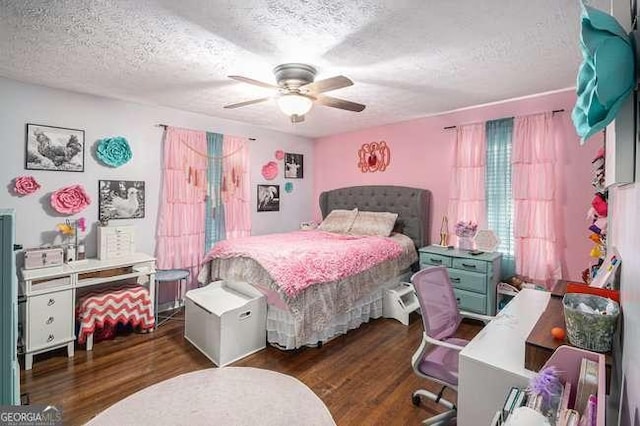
(226,320)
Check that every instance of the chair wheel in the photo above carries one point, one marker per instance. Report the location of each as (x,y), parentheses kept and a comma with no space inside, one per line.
(416,400)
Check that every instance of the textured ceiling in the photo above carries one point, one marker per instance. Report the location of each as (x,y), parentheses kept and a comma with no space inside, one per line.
(408,58)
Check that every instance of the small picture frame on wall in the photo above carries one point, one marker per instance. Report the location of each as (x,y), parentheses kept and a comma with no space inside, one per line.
(54,148)
(293,166)
(268,198)
(120,199)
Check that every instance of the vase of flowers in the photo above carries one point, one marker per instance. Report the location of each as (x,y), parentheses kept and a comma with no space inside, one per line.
(71,232)
(466,230)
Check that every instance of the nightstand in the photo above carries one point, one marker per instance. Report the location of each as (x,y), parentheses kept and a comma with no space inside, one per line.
(474,277)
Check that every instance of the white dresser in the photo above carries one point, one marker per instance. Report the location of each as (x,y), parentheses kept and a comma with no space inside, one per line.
(48,316)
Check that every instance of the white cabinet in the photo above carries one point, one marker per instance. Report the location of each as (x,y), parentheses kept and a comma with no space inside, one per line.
(116,241)
(49,311)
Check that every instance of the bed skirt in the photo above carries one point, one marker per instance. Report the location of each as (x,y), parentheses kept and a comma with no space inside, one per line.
(281,325)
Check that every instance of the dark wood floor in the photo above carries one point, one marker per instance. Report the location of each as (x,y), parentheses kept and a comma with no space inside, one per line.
(364,377)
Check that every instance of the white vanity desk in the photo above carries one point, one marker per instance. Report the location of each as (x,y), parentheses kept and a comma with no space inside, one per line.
(493,361)
(48,316)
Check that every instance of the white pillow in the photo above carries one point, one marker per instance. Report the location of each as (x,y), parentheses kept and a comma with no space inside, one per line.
(339,221)
(374,223)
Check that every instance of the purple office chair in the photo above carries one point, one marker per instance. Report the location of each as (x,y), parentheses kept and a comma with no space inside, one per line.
(437,357)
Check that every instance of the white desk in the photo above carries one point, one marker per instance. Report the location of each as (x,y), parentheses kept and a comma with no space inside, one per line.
(49,312)
(493,361)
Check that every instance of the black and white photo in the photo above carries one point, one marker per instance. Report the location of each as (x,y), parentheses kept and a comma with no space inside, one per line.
(54,148)
(293,168)
(268,198)
(120,199)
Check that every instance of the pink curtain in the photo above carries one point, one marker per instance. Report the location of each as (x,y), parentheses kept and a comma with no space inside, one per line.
(467,193)
(236,187)
(535,149)
(181,223)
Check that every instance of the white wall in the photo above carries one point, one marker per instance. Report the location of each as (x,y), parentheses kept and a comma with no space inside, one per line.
(625,236)
(100,117)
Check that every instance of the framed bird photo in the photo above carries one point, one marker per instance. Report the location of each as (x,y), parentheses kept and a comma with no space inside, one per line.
(120,199)
(54,148)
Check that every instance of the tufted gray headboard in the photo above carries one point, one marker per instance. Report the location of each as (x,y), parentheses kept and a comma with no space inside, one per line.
(411,204)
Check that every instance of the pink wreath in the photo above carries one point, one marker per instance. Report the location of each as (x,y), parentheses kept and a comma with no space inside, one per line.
(25,185)
(270,170)
(70,200)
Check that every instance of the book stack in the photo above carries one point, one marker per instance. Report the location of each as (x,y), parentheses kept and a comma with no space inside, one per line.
(584,409)
(516,397)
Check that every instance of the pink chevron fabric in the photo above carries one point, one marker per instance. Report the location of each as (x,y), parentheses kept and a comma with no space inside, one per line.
(102,310)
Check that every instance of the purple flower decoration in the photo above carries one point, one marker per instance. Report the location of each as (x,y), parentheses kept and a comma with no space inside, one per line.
(546,383)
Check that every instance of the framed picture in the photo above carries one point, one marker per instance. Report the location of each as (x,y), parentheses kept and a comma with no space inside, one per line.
(293,167)
(54,148)
(268,198)
(120,199)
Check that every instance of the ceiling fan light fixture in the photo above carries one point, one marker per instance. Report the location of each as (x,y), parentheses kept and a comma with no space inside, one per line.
(294,104)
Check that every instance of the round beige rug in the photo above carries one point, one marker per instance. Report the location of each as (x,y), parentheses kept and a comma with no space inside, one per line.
(221,396)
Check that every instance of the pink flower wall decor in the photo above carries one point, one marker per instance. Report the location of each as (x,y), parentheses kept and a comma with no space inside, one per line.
(25,185)
(270,170)
(279,154)
(70,199)
(374,157)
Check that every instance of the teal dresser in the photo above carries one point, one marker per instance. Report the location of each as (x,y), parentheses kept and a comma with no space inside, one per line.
(9,368)
(474,278)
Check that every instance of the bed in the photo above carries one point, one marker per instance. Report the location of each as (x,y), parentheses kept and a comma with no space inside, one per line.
(316,313)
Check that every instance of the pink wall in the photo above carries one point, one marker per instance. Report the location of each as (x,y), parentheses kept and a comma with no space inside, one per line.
(421,156)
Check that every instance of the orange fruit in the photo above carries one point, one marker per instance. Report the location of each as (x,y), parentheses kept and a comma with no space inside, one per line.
(558,333)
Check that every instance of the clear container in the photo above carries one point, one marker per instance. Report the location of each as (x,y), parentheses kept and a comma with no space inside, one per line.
(80,254)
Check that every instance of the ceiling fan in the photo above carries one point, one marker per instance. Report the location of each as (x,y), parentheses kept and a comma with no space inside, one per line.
(297,92)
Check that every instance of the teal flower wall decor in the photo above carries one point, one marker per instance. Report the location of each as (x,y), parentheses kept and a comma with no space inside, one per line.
(288,187)
(607,74)
(114,151)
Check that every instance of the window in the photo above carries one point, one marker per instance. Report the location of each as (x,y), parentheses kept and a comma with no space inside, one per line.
(499,199)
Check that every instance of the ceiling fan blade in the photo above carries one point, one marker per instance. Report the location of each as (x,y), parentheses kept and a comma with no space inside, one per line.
(295,118)
(252,81)
(339,103)
(245,103)
(333,83)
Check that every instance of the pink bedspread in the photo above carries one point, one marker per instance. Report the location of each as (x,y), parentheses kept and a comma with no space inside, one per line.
(297,260)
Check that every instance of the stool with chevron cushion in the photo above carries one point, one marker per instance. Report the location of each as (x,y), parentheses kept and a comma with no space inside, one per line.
(102,311)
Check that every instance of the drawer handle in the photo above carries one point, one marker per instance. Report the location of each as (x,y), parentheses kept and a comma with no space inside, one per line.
(49,320)
(435,260)
(51,302)
(50,338)
(458,300)
(455,280)
(466,265)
